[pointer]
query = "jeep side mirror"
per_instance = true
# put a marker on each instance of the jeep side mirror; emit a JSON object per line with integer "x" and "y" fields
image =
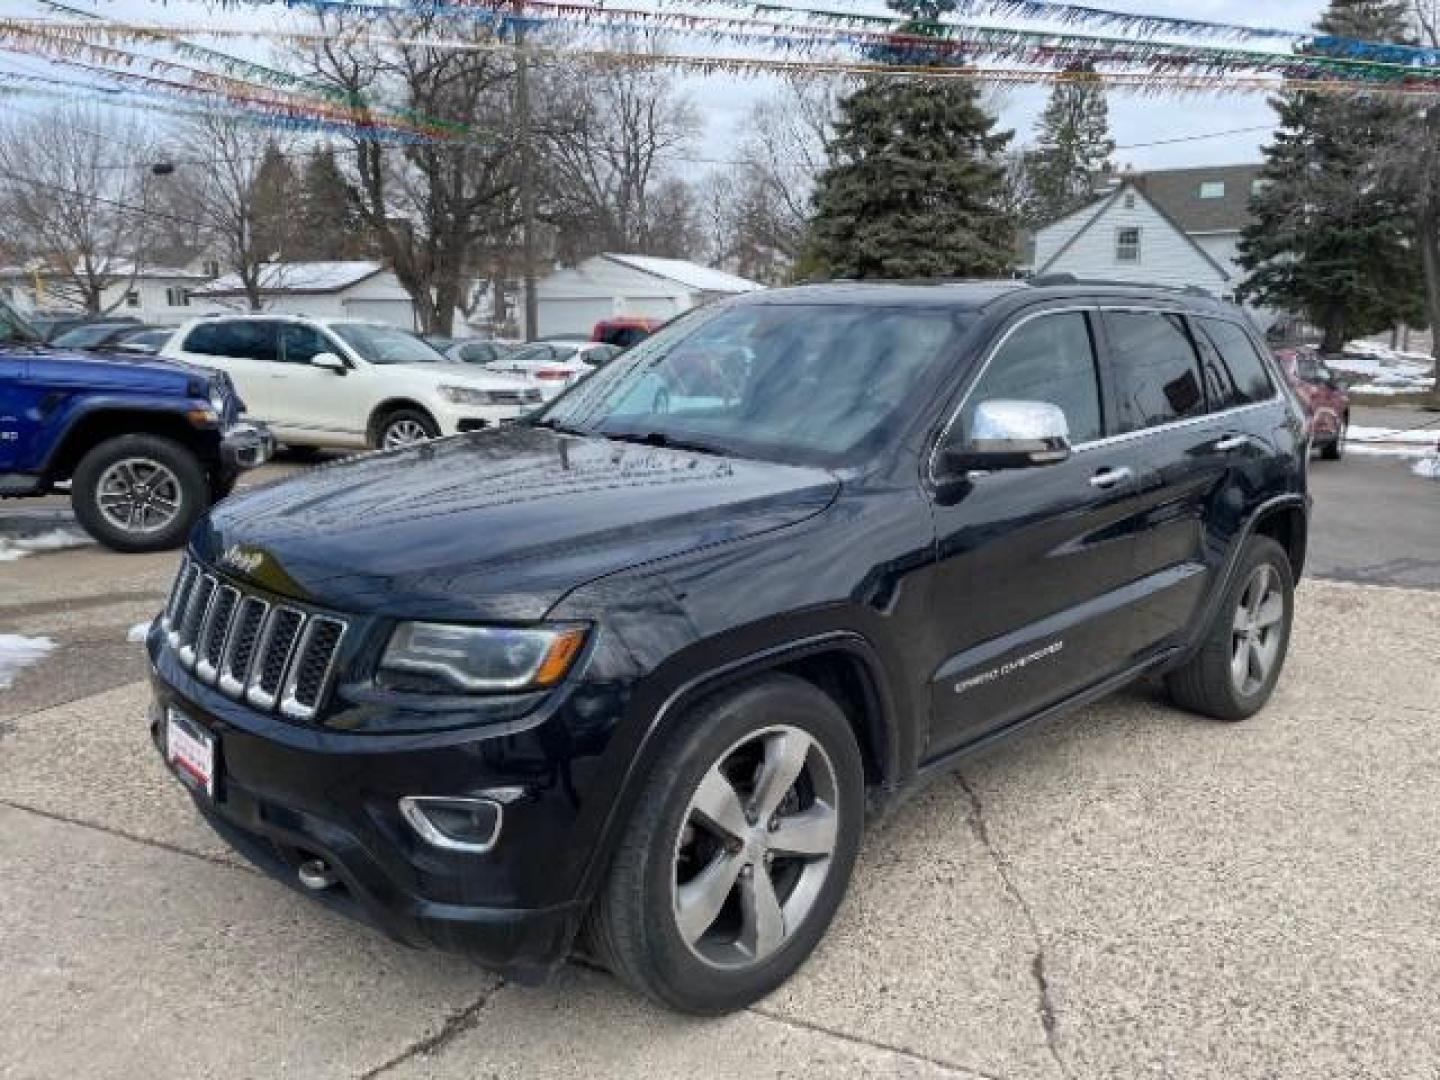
{"x": 1008, "y": 435}
{"x": 330, "y": 362}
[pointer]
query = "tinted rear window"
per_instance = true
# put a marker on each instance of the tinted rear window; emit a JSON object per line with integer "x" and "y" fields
{"x": 1156, "y": 372}
{"x": 1242, "y": 360}
{"x": 248, "y": 339}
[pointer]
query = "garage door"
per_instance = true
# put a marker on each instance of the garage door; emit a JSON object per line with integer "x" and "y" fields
{"x": 573, "y": 315}
{"x": 395, "y": 312}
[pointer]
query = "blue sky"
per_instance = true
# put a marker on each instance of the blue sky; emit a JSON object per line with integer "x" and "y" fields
{"x": 722, "y": 101}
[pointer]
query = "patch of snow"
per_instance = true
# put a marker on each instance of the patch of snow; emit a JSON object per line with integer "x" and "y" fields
{"x": 137, "y": 633}
{"x": 18, "y": 653}
{"x": 1402, "y": 442}
{"x": 692, "y": 275}
{"x": 17, "y": 547}
{"x": 298, "y": 277}
{"x": 1427, "y": 467}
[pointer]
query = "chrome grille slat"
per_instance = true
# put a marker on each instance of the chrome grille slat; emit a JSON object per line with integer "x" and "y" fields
{"x": 210, "y": 645}
{"x": 270, "y": 656}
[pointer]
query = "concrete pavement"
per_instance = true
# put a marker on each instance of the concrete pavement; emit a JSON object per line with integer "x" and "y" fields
{"x": 1129, "y": 892}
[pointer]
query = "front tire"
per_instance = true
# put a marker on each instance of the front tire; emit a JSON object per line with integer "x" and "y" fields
{"x": 138, "y": 493}
{"x": 404, "y": 427}
{"x": 738, "y": 852}
{"x": 1240, "y": 659}
{"x": 1334, "y": 450}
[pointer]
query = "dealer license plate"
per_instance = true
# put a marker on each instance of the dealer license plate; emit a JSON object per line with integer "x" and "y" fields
{"x": 190, "y": 750}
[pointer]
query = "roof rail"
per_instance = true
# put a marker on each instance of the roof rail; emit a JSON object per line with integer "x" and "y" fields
{"x": 1042, "y": 280}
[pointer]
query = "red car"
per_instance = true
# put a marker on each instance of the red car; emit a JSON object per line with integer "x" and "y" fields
{"x": 1327, "y": 405}
{"x": 624, "y": 330}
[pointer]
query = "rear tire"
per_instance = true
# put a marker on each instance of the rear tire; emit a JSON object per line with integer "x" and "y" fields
{"x": 1334, "y": 450}
{"x": 1241, "y": 657}
{"x": 728, "y": 874}
{"x": 139, "y": 493}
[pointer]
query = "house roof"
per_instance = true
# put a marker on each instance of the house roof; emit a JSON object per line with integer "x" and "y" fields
{"x": 691, "y": 275}
{"x": 1176, "y": 192}
{"x": 115, "y": 268}
{"x": 1096, "y": 211}
{"x": 299, "y": 277}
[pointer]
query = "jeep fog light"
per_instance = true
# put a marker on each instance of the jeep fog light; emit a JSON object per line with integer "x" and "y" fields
{"x": 455, "y": 824}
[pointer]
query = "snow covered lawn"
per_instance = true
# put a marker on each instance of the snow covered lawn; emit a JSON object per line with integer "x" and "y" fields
{"x": 1380, "y": 370}
{"x": 1399, "y": 442}
{"x": 18, "y": 653}
{"x": 17, "y": 547}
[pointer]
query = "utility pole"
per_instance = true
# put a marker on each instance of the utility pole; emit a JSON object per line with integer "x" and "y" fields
{"x": 527, "y": 185}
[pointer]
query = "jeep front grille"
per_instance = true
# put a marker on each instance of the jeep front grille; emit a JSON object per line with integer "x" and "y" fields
{"x": 268, "y": 655}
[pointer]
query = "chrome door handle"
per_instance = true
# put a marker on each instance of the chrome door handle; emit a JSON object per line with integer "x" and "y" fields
{"x": 1231, "y": 442}
{"x": 1108, "y": 478}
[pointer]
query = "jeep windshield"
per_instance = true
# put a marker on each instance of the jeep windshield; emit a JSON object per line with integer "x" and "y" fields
{"x": 386, "y": 344}
{"x": 817, "y": 384}
{"x": 13, "y": 329}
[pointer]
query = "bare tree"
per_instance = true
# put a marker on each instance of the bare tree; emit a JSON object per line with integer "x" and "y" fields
{"x": 233, "y": 196}
{"x": 74, "y": 183}
{"x": 610, "y": 137}
{"x": 760, "y": 207}
{"x": 432, "y": 205}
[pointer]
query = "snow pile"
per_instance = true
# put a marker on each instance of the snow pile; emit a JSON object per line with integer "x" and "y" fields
{"x": 18, "y": 653}
{"x": 1379, "y": 369}
{"x": 1402, "y": 442}
{"x": 1427, "y": 467}
{"x": 17, "y": 547}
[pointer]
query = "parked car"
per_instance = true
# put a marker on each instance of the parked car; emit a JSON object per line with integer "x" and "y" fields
{"x": 108, "y": 336}
{"x": 644, "y": 672}
{"x": 50, "y": 325}
{"x": 480, "y": 350}
{"x": 146, "y": 445}
{"x": 1323, "y": 393}
{"x": 554, "y": 365}
{"x": 348, "y": 383}
{"x": 624, "y": 330}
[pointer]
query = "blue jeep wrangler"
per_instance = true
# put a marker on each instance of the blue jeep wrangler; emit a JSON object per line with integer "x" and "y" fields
{"x": 146, "y": 445}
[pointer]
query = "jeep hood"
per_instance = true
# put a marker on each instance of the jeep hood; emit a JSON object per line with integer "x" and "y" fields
{"x": 497, "y": 525}
{"x": 99, "y": 371}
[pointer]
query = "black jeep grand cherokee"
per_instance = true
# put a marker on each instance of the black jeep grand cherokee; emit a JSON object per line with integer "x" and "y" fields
{"x": 641, "y": 664}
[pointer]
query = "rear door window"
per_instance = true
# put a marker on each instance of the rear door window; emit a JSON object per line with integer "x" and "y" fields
{"x": 1051, "y": 359}
{"x": 1155, "y": 371}
{"x": 1241, "y": 358}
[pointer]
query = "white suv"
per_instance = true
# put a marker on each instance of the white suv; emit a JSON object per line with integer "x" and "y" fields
{"x": 347, "y": 383}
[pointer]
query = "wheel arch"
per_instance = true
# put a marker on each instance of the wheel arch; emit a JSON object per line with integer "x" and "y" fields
{"x": 392, "y": 405}
{"x": 90, "y": 429}
{"x": 1287, "y": 524}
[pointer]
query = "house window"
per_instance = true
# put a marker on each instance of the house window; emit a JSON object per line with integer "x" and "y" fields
{"x": 1130, "y": 201}
{"x": 132, "y": 298}
{"x": 177, "y": 297}
{"x": 1212, "y": 189}
{"x": 212, "y": 268}
{"x": 1257, "y": 186}
{"x": 1127, "y": 245}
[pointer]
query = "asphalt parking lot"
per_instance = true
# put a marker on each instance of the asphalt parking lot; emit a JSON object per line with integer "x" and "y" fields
{"x": 1128, "y": 892}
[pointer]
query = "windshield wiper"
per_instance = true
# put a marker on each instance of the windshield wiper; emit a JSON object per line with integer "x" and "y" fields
{"x": 664, "y": 441}
{"x": 556, "y": 426}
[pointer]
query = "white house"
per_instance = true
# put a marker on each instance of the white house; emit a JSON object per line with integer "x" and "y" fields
{"x": 1178, "y": 227}
{"x": 361, "y": 289}
{"x": 574, "y": 299}
{"x": 152, "y": 294}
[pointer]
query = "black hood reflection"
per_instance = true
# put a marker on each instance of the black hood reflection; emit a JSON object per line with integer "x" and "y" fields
{"x": 502, "y": 524}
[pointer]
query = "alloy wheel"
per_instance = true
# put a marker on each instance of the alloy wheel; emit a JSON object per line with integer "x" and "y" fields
{"x": 1256, "y": 631}
{"x": 404, "y": 432}
{"x": 139, "y": 495}
{"x": 755, "y": 847}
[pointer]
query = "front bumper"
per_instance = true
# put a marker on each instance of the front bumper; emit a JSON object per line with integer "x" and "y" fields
{"x": 282, "y": 807}
{"x": 246, "y": 446}
{"x": 458, "y": 419}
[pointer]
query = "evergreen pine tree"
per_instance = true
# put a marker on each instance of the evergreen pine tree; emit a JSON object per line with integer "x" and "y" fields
{"x": 1073, "y": 148}
{"x": 327, "y": 226}
{"x": 271, "y": 205}
{"x": 914, "y": 181}
{"x": 1327, "y": 237}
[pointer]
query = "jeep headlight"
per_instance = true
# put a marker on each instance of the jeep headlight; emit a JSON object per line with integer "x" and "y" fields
{"x": 480, "y": 659}
{"x": 465, "y": 395}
